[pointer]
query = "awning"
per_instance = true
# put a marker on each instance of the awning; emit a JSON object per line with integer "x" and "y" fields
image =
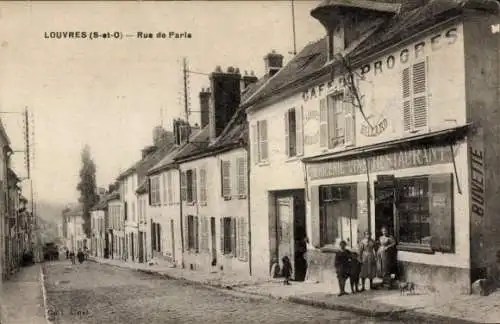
{"x": 431, "y": 139}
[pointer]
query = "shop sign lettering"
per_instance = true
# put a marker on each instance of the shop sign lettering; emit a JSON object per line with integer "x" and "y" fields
{"x": 415, "y": 157}
{"x": 477, "y": 181}
{"x": 375, "y": 130}
{"x": 418, "y": 50}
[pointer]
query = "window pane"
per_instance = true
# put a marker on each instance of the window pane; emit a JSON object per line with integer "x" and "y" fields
{"x": 413, "y": 210}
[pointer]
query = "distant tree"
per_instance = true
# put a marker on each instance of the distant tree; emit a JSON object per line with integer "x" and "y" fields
{"x": 87, "y": 187}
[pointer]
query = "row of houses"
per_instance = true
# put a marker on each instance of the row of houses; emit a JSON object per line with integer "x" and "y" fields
{"x": 390, "y": 120}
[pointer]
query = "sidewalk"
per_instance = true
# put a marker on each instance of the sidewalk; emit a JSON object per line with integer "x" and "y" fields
{"x": 422, "y": 305}
{"x": 21, "y": 298}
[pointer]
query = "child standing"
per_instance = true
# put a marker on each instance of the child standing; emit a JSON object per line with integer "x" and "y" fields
{"x": 286, "y": 270}
{"x": 342, "y": 259}
{"x": 354, "y": 271}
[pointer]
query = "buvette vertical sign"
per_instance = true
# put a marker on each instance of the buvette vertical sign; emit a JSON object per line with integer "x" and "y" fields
{"x": 477, "y": 194}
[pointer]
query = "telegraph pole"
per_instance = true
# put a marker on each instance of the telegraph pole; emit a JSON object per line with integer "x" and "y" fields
{"x": 185, "y": 74}
{"x": 293, "y": 30}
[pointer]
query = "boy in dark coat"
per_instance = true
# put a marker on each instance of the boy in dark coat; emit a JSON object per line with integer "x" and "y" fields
{"x": 286, "y": 270}
{"x": 342, "y": 259}
{"x": 354, "y": 271}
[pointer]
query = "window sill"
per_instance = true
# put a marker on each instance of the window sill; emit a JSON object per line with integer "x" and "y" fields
{"x": 263, "y": 163}
{"x": 203, "y": 203}
{"x": 408, "y": 247}
{"x": 295, "y": 158}
{"x": 227, "y": 198}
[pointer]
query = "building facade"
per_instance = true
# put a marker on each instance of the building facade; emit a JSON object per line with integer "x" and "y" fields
{"x": 377, "y": 132}
{"x": 76, "y": 238}
{"x": 116, "y": 229}
{"x": 97, "y": 225}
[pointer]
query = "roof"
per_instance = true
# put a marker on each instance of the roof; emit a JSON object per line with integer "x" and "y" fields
{"x": 166, "y": 161}
{"x": 75, "y": 209}
{"x": 12, "y": 174}
{"x": 382, "y": 6}
{"x": 197, "y": 143}
{"x": 235, "y": 134}
{"x": 311, "y": 60}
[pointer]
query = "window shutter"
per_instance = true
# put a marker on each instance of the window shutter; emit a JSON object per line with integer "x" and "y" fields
{"x": 196, "y": 234}
{"x": 350, "y": 125}
{"x": 226, "y": 178}
{"x": 186, "y": 232}
{"x": 441, "y": 212}
{"x": 234, "y": 242}
{"x": 300, "y": 130}
{"x": 170, "y": 187}
{"x": 242, "y": 176}
{"x": 245, "y": 239}
{"x": 287, "y": 134}
{"x": 222, "y": 245}
{"x": 406, "y": 92}
{"x": 194, "y": 186}
{"x": 315, "y": 217}
{"x": 205, "y": 231}
{"x": 255, "y": 143}
{"x": 323, "y": 123}
{"x": 183, "y": 187}
{"x": 149, "y": 192}
{"x": 203, "y": 185}
{"x": 158, "y": 233}
{"x": 164, "y": 182}
{"x": 263, "y": 150}
{"x": 419, "y": 80}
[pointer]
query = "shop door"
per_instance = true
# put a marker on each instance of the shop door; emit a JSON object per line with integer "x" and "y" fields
{"x": 384, "y": 209}
{"x": 285, "y": 228}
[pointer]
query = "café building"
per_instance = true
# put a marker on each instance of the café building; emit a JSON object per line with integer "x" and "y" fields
{"x": 394, "y": 123}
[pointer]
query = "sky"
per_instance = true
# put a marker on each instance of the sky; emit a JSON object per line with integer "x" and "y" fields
{"x": 111, "y": 93}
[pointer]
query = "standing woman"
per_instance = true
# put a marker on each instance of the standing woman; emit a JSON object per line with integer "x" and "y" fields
{"x": 368, "y": 260}
{"x": 386, "y": 256}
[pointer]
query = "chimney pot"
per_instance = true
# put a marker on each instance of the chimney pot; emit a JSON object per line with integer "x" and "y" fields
{"x": 230, "y": 69}
{"x": 273, "y": 62}
{"x": 218, "y": 69}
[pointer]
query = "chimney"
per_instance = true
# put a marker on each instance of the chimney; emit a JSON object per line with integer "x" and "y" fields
{"x": 101, "y": 192}
{"x": 182, "y": 130}
{"x": 225, "y": 98}
{"x": 204, "y": 106}
{"x": 247, "y": 80}
{"x": 273, "y": 63}
{"x": 148, "y": 150}
{"x": 158, "y": 134}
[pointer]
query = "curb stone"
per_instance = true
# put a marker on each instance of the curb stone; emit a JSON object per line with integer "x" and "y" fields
{"x": 44, "y": 295}
{"x": 402, "y": 315}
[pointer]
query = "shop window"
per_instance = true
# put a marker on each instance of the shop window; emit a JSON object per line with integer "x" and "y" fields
{"x": 425, "y": 213}
{"x": 337, "y": 215}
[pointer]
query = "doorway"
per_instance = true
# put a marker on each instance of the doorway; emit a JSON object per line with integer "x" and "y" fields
{"x": 132, "y": 246}
{"x": 291, "y": 231}
{"x": 384, "y": 208}
{"x": 172, "y": 237}
{"x": 141, "y": 247}
{"x": 214, "y": 243}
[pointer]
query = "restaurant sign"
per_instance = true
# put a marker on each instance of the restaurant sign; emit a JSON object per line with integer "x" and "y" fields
{"x": 411, "y": 158}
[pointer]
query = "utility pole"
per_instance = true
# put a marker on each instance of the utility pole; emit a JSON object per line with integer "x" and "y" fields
{"x": 186, "y": 96}
{"x": 293, "y": 30}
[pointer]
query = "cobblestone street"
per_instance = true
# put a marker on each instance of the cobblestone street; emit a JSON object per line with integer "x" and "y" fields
{"x": 93, "y": 293}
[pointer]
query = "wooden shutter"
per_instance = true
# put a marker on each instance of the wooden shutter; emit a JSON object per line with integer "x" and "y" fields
{"x": 206, "y": 234}
{"x": 183, "y": 186}
{"x": 226, "y": 178}
{"x": 186, "y": 232}
{"x": 241, "y": 176}
{"x": 323, "y": 123}
{"x": 222, "y": 245}
{"x": 245, "y": 241}
{"x": 299, "y": 130}
{"x": 287, "y": 133}
{"x": 255, "y": 144}
{"x": 170, "y": 188}
{"x": 164, "y": 182}
{"x": 419, "y": 80}
{"x": 196, "y": 234}
{"x": 234, "y": 242}
{"x": 406, "y": 93}
{"x": 203, "y": 185}
{"x": 149, "y": 192}
{"x": 194, "y": 186}
{"x": 315, "y": 217}
{"x": 349, "y": 120}
{"x": 263, "y": 145}
{"x": 158, "y": 233}
{"x": 441, "y": 212}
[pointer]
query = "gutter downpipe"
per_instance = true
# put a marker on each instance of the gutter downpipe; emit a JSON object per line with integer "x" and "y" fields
{"x": 249, "y": 213}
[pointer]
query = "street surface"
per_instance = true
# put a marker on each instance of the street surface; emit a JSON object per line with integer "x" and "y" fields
{"x": 93, "y": 293}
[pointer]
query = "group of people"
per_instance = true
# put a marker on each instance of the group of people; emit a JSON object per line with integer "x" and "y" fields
{"x": 81, "y": 255}
{"x": 375, "y": 259}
